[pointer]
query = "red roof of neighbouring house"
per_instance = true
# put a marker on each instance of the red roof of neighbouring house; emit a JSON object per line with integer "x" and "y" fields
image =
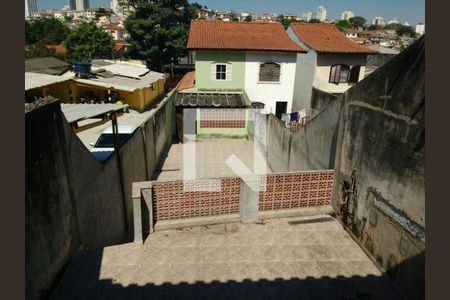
{"x": 357, "y": 39}
{"x": 326, "y": 38}
{"x": 187, "y": 82}
{"x": 59, "y": 49}
{"x": 119, "y": 44}
{"x": 113, "y": 26}
{"x": 349, "y": 30}
{"x": 219, "y": 35}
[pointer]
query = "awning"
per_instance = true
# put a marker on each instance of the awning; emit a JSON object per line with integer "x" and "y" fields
{"x": 235, "y": 100}
{"x": 78, "y": 112}
{"x": 35, "y": 80}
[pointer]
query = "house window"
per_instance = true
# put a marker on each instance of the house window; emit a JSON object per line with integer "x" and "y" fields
{"x": 269, "y": 72}
{"x": 339, "y": 74}
{"x": 221, "y": 72}
{"x": 353, "y": 77}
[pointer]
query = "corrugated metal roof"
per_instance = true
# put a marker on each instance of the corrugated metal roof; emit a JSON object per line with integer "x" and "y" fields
{"x": 121, "y": 68}
{"x": 46, "y": 65}
{"x": 123, "y": 83}
{"x": 36, "y": 80}
{"x": 210, "y": 100}
{"x": 383, "y": 50}
{"x": 81, "y": 111}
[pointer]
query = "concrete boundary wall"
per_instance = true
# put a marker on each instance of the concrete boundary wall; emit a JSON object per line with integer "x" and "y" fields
{"x": 375, "y": 131}
{"x": 162, "y": 205}
{"x": 312, "y": 147}
{"x": 74, "y": 201}
{"x": 141, "y": 156}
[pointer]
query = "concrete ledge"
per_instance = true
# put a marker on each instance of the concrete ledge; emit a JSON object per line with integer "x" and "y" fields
{"x": 296, "y": 212}
{"x": 195, "y": 222}
{"x": 138, "y": 186}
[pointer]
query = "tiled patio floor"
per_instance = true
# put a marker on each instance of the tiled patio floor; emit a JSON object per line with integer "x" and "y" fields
{"x": 296, "y": 258}
{"x": 211, "y": 156}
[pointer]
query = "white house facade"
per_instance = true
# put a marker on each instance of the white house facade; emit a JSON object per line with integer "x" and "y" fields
{"x": 332, "y": 64}
{"x": 323, "y": 69}
{"x": 257, "y": 58}
{"x": 269, "y": 78}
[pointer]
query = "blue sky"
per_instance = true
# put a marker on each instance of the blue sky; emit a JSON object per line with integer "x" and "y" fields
{"x": 412, "y": 11}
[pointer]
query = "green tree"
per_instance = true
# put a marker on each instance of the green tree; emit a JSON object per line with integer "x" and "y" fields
{"x": 314, "y": 21}
{"x": 375, "y": 27}
{"x": 343, "y": 24}
{"x": 405, "y": 30}
{"x": 39, "y": 50}
{"x": 159, "y": 31}
{"x": 286, "y": 22}
{"x": 357, "y": 22}
{"x": 47, "y": 31}
{"x": 68, "y": 19}
{"x": 102, "y": 12}
{"x": 196, "y": 5}
{"x": 248, "y": 18}
{"x": 87, "y": 42}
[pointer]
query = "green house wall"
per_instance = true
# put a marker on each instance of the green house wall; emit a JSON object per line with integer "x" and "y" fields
{"x": 203, "y": 61}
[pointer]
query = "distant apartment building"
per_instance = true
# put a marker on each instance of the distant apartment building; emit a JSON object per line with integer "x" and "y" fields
{"x": 120, "y": 7}
{"x": 72, "y": 5}
{"x": 393, "y": 21}
{"x": 207, "y": 14}
{"x": 307, "y": 16}
{"x": 90, "y": 13}
{"x": 78, "y": 4}
{"x": 269, "y": 17}
{"x": 31, "y": 9}
{"x": 114, "y": 5}
{"x": 420, "y": 28}
{"x": 225, "y": 16}
{"x": 116, "y": 30}
{"x": 347, "y": 14}
{"x": 350, "y": 33}
{"x": 290, "y": 16}
{"x": 379, "y": 21}
{"x": 321, "y": 13}
{"x": 59, "y": 14}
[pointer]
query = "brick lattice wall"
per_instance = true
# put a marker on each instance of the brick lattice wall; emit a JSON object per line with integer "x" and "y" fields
{"x": 222, "y": 118}
{"x": 172, "y": 201}
{"x": 296, "y": 190}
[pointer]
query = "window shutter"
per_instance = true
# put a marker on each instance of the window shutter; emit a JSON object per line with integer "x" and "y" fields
{"x": 213, "y": 72}
{"x": 269, "y": 72}
{"x": 229, "y": 71}
{"x": 334, "y": 74}
{"x": 354, "y": 74}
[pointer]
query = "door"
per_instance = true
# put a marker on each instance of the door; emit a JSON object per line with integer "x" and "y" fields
{"x": 186, "y": 122}
{"x": 280, "y": 108}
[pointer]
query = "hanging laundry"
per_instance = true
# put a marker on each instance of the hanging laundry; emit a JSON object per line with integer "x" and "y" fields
{"x": 294, "y": 116}
{"x": 285, "y": 117}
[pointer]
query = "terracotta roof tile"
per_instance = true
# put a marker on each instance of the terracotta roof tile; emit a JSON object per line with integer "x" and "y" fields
{"x": 113, "y": 26}
{"x": 119, "y": 44}
{"x": 240, "y": 36}
{"x": 187, "y": 82}
{"x": 59, "y": 49}
{"x": 326, "y": 38}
